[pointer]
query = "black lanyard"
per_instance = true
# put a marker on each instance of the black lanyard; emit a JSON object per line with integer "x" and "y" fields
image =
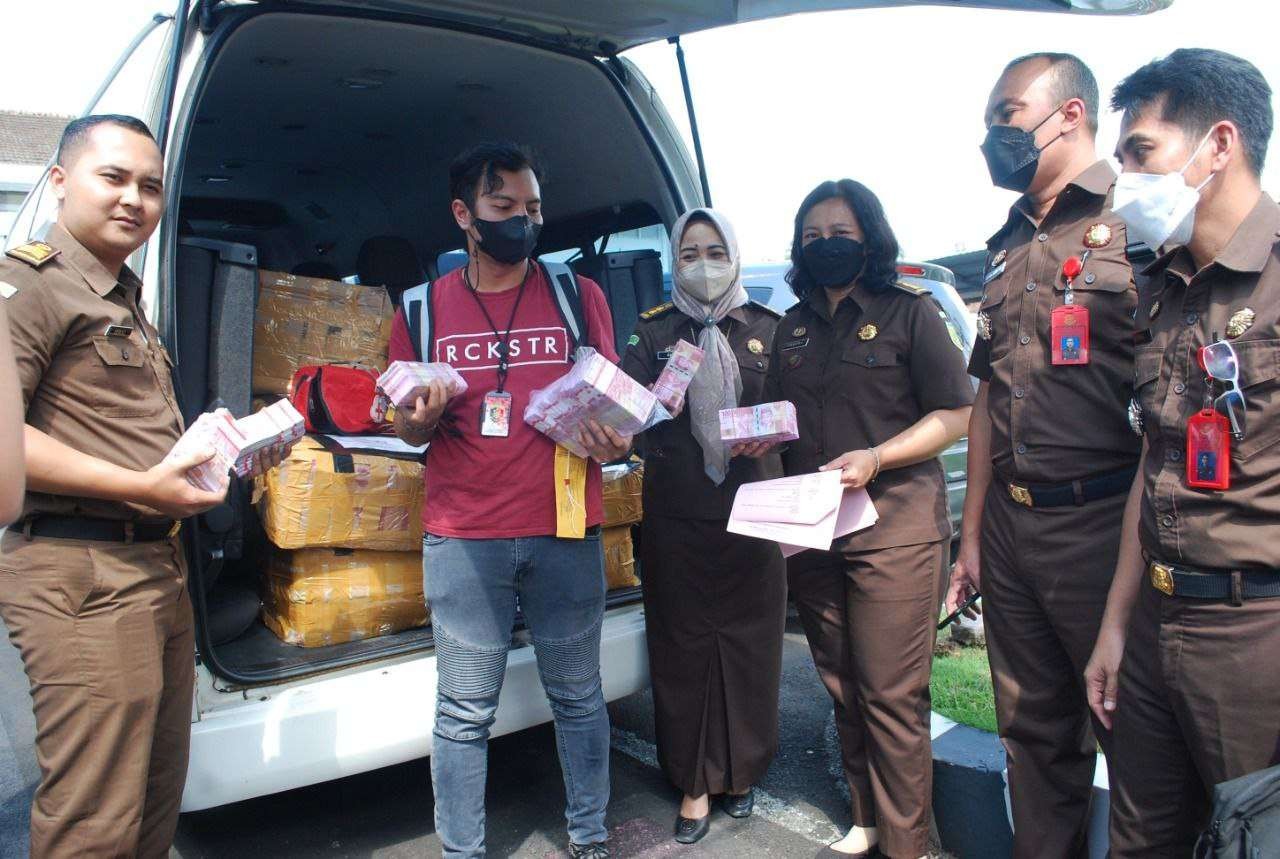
{"x": 503, "y": 337}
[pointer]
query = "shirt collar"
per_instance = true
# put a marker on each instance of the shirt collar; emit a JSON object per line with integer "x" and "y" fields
{"x": 817, "y": 300}
{"x": 1247, "y": 252}
{"x": 79, "y": 258}
{"x": 1095, "y": 180}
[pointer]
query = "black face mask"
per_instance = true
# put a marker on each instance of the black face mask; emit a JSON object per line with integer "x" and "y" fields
{"x": 833, "y": 262}
{"x": 1012, "y": 155}
{"x": 508, "y": 241}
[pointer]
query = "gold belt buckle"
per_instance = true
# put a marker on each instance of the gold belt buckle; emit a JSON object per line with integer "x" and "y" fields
{"x": 1020, "y": 494}
{"x": 1161, "y": 578}
{"x": 177, "y": 526}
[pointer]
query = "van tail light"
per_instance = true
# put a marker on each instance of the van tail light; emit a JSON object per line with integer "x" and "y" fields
{"x": 911, "y": 270}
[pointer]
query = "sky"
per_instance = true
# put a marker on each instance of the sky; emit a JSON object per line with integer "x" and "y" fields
{"x": 893, "y": 97}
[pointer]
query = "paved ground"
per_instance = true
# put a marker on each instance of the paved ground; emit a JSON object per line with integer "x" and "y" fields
{"x": 802, "y": 802}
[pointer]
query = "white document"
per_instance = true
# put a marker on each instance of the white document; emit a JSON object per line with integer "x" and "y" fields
{"x": 382, "y": 443}
{"x": 807, "y": 511}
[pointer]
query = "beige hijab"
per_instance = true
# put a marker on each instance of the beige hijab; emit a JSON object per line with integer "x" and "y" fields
{"x": 718, "y": 383}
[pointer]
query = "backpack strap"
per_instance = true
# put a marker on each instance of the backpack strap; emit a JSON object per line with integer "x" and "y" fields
{"x": 568, "y": 295}
{"x": 416, "y": 303}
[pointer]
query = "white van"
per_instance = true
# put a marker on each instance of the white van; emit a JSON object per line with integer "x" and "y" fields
{"x": 294, "y": 131}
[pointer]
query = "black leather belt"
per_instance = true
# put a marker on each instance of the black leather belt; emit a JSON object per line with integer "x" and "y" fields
{"x": 103, "y": 530}
{"x": 1235, "y": 585}
{"x": 1077, "y": 492}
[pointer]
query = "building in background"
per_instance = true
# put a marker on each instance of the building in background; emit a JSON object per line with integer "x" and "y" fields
{"x": 27, "y": 142}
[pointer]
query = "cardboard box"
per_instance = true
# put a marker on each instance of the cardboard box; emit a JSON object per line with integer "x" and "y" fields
{"x": 302, "y": 321}
{"x": 317, "y": 597}
{"x": 619, "y": 558}
{"x": 623, "y": 485}
{"x": 354, "y": 501}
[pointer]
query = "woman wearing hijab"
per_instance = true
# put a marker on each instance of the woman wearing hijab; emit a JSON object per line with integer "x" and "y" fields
{"x": 880, "y": 390}
{"x": 715, "y": 603}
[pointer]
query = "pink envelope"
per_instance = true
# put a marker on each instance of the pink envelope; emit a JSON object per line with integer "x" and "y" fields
{"x": 807, "y": 511}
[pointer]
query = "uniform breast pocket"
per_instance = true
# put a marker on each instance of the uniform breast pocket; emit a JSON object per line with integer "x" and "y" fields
{"x": 873, "y": 372}
{"x": 991, "y": 321}
{"x": 752, "y": 369}
{"x": 123, "y": 384}
{"x": 1146, "y": 376}
{"x": 1259, "y": 371}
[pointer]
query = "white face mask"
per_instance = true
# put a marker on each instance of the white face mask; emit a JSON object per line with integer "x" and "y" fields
{"x": 1159, "y": 208}
{"x": 706, "y": 280}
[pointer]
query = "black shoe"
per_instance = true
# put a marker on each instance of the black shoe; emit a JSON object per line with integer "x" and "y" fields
{"x": 597, "y": 850}
{"x": 691, "y": 831}
{"x": 740, "y": 804}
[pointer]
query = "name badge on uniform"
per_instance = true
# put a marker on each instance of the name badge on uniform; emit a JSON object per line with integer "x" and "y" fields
{"x": 495, "y": 415}
{"x": 119, "y": 331}
{"x": 1069, "y": 335}
{"x": 795, "y": 344}
{"x": 1209, "y": 450}
{"x": 993, "y": 274}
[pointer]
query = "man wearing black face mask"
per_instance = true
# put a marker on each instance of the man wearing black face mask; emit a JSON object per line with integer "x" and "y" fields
{"x": 1051, "y": 454}
{"x": 491, "y": 523}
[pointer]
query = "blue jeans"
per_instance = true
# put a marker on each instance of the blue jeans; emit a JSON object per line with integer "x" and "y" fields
{"x": 473, "y": 587}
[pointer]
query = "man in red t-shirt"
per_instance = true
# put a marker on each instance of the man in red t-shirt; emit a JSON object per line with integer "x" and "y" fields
{"x": 490, "y": 511}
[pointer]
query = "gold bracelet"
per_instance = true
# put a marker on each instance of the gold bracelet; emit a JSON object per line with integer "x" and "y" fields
{"x": 876, "y": 455}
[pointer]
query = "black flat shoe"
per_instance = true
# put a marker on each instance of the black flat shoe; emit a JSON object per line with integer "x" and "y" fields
{"x": 691, "y": 831}
{"x": 740, "y": 804}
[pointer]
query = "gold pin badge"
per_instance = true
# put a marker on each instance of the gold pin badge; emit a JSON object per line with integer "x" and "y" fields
{"x": 868, "y": 332}
{"x": 984, "y": 326}
{"x": 800, "y": 332}
{"x": 1155, "y": 310}
{"x": 998, "y": 258}
{"x": 755, "y": 347}
{"x": 794, "y": 361}
{"x": 1097, "y": 236}
{"x": 1240, "y": 322}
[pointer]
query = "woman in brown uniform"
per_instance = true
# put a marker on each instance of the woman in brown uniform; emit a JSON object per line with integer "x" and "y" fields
{"x": 715, "y": 603}
{"x": 880, "y": 390}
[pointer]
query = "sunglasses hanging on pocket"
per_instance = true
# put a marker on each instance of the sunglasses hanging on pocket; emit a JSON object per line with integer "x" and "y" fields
{"x": 1209, "y": 431}
{"x": 1069, "y": 324}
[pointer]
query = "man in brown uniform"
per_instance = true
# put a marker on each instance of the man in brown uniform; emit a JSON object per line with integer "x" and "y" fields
{"x": 1198, "y": 698}
{"x": 92, "y": 579}
{"x": 1050, "y": 451}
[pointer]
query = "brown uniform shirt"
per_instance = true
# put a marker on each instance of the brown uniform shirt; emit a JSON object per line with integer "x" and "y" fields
{"x": 1054, "y": 424}
{"x": 675, "y": 481}
{"x": 105, "y": 393}
{"x": 1236, "y": 297}
{"x": 881, "y": 364}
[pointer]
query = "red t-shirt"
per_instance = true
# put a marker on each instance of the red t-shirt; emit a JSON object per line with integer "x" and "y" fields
{"x": 482, "y": 487}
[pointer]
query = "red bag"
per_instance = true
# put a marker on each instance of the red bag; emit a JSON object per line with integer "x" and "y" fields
{"x": 335, "y": 398}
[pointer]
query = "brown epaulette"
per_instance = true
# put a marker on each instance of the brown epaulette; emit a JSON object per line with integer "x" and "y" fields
{"x": 910, "y": 288}
{"x": 655, "y": 312}
{"x": 34, "y": 254}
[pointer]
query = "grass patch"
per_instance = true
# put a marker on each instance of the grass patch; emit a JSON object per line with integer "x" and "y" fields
{"x": 961, "y": 686}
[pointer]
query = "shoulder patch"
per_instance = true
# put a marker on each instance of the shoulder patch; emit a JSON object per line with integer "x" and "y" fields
{"x": 910, "y": 289}
{"x": 655, "y": 312}
{"x": 34, "y": 253}
{"x": 764, "y": 308}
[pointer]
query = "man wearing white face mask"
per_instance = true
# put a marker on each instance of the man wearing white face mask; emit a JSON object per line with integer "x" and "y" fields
{"x": 1184, "y": 668}
{"x": 715, "y": 602}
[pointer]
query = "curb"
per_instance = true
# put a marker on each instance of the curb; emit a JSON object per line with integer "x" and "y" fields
{"x": 971, "y": 796}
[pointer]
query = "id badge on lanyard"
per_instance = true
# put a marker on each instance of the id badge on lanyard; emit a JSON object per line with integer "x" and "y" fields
{"x": 1069, "y": 324}
{"x": 495, "y": 415}
{"x": 1209, "y": 450}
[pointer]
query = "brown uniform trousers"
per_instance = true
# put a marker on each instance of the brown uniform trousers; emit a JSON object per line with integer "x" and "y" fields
{"x": 1045, "y": 576}
{"x": 870, "y": 618}
{"x": 1199, "y": 693}
{"x": 105, "y": 633}
{"x": 1045, "y": 572}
